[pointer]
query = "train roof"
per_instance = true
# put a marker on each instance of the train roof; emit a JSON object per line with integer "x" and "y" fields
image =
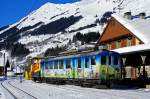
{"x": 81, "y": 55}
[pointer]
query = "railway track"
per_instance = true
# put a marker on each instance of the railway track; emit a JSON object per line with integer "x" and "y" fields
{"x": 8, "y": 90}
{"x": 24, "y": 94}
{"x": 95, "y": 92}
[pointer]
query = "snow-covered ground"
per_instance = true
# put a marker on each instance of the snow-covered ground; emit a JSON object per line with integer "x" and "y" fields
{"x": 48, "y": 91}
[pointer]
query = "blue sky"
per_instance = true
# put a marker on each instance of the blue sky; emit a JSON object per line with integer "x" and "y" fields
{"x": 13, "y": 10}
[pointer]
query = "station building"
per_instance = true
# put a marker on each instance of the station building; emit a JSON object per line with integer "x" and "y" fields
{"x": 130, "y": 36}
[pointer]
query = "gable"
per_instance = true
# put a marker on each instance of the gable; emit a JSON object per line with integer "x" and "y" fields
{"x": 113, "y": 30}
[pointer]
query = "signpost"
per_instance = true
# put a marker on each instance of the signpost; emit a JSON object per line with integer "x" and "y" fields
{"x": 143, "y": 61}
{"x": 122, "y": 68}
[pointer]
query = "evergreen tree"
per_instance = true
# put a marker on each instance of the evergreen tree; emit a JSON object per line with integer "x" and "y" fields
{"x": 19, "y": 49}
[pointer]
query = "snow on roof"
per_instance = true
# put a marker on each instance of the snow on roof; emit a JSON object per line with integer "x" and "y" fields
{"x": 139, "y": 27}
{"x": 132, "y": 49}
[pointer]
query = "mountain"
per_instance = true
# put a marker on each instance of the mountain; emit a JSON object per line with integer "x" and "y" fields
{"x": 57, "y": 25}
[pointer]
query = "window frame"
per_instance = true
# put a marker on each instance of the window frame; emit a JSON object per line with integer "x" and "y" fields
{"x": 102, "y": 57}
{"x": 110, "y": 60}
{"x": 93, "y": 62}
{"x": 79, "y": 65}
{"x": 116, "y": 61}
{"x": 68, "y": 63}
{"x": 61, "y": 65}
{"x": 56, "y": 64}
{"x": 46, "y": 65}
{"x": 51, "y": 65}
{"x": 87, "y": 63}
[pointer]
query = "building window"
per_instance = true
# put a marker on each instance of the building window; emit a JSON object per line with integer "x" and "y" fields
{"x": 129, "y": 42}
{"x": 118, "y": 44}
{"x": 109, "y": 46}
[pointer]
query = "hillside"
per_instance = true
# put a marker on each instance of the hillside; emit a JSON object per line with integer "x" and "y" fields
{"x": 56, "y": 25}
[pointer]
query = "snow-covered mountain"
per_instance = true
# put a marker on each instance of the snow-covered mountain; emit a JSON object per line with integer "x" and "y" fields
{"x": 55, "y": 25}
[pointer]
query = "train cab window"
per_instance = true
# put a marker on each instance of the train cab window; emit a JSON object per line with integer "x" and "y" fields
{"x": 109, "y": 60}
{"x": 79, "y": 62}
{"x": 116, "y": 60}
{"x": 61, "y": 64}
{"x": 68, "y": 63}
{"x": 93, "y": 60}
{"x": 56, "y": 65}
{"x": 86, "y": 62}
{"x": 103, "y": 60}
{"x": 50, "y": 65}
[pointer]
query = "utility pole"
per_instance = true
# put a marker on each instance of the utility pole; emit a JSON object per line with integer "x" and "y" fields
{"x": 5, "y": 68}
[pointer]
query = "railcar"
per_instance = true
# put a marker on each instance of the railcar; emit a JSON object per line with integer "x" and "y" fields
{"x": 99, "y": 67}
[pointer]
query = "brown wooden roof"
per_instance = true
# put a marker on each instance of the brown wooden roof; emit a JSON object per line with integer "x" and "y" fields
{"x": 113, "y": 30}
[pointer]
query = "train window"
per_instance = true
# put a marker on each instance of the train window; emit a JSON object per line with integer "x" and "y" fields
{"x": 56, "y": 65}
{"x": 109, "y": 60}
{"x": 68, "y": 63}
{"x": 50, "y": 65}
{"x": 61, "y": 64}
{"x": 116, "y": 60}
{"x": 86, "y": 62}
{"x": 93, "y": 60}
{"x": 79, "y": 62}
{"x": 42, "y": 63}
{"x": 46, "y": 65}
{"x": 103, "y": 60}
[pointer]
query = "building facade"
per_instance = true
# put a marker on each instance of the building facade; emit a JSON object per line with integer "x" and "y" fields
{"x": 129, "y": 35}
{"x": 116, "y": 36}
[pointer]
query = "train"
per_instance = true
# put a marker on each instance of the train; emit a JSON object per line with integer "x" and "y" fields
{"x": 91, "y": 68}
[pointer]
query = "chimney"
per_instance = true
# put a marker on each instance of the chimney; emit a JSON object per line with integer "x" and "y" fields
{"x": 142, "y": 15}
{"x": 128, "y": 15}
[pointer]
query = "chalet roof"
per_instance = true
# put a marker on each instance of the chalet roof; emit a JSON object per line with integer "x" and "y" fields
{"x": 139, "y": 27}
{"x": 132, "y": 49}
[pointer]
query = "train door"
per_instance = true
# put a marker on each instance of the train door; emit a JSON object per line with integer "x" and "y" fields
{"x": 74, "y": 69}
{"x": 68, "y": 68}
{"x": 56, "y": 68}
{"x": 87, "y": 67}
{"x": 103, "y": 67}
{"x": 92, "y": 67}
{"x": 79, "y": 67}
{"x": 117, "y": 67}
{"x": 61, "y": 69}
